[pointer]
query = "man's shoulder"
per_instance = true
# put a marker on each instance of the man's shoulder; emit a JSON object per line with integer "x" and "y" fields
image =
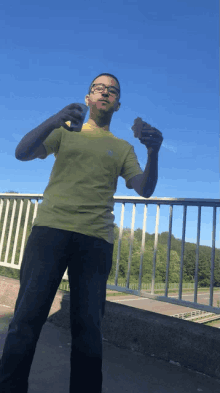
{"x": 122, "y": 141}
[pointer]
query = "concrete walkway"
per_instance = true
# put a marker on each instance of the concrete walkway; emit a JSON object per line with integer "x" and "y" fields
{"x": 123, "y": 370}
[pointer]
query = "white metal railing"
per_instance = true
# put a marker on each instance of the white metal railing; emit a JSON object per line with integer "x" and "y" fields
{"x": 185, "y": 202}
{"x": 188, "y": 316}
{"x": 197, "y": 316}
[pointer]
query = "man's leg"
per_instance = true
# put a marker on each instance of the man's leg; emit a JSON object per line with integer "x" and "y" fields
{"x": 88, "y": 273}
{"x": 43, "y": 265}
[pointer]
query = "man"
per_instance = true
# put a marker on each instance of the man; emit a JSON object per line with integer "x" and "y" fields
{"x": 74, "y": 228}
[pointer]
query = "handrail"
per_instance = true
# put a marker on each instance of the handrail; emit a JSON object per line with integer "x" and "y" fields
{"x": 185, "y": 202}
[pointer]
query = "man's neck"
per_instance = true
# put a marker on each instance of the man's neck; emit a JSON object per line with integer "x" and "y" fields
{"x": 99, "y": 123}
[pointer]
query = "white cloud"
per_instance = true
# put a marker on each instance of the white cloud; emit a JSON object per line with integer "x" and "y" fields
{"x": 169, "y": 147}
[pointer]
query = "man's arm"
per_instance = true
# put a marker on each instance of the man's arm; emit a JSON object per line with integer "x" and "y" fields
{"x": 145, "y": 184}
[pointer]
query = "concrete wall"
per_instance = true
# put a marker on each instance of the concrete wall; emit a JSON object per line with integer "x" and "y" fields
{"x": 190, "y": 344}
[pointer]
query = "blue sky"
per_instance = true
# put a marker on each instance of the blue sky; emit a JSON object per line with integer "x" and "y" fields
{"x": 166, "y": 57}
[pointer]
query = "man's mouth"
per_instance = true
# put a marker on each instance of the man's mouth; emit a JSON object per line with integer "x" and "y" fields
{"x": 103, "y": 101}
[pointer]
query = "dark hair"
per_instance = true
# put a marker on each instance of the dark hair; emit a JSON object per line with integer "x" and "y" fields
{"x": 107, "y": 75}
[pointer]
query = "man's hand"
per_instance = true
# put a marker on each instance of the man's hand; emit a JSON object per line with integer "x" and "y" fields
{"x": 148, "y": 136}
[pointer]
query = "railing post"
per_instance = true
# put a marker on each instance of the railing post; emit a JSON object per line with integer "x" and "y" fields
{"x": 182, "y": 252}
{"x": 212, "y": 257}
{"x": 119, "y": 242}
{"x": 131, "y": 244}
{"x": 144, "y": 227}
{"x": 197, "y": 255}
{"x": 168, "y": 250}
{"x": 155, "y": 249}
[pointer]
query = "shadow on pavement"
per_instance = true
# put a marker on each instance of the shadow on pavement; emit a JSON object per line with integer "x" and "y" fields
{"x": 123, "y": 370}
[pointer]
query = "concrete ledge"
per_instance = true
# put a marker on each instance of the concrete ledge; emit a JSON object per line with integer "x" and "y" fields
{"x": 192, "y": 345}
{"x": 9, "y": 288}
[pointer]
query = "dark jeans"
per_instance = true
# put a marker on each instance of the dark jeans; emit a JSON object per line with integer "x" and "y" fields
{"x": 48, "y": 253}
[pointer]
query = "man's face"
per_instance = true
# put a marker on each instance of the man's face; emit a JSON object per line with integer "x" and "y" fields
{"x": 95, "y": 97}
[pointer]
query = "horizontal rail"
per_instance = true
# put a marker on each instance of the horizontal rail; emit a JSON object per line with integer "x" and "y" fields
{"x": 138, "y": 200}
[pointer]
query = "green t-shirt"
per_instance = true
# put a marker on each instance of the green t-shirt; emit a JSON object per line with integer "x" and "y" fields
{"x": 83, "y": 180}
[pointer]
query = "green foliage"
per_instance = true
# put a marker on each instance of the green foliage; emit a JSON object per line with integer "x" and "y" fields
{"x": 189, "y": 258}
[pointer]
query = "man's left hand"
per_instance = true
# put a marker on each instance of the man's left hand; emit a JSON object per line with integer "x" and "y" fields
{"x": 149, "y": 136}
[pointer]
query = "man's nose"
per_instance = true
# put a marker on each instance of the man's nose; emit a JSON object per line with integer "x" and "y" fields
{"x": 105, "y": 91}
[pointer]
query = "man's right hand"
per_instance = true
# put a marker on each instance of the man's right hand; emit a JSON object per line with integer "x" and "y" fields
{"x": 69, "y": 113}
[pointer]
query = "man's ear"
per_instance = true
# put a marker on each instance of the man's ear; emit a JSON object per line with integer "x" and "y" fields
{"x": 86, "y": 99}
{"x": 118, "y": 106}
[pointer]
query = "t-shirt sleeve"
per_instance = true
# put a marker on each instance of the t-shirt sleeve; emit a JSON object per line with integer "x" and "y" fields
{"x": 52, "y": 142}
{"x": 131, "y": 166}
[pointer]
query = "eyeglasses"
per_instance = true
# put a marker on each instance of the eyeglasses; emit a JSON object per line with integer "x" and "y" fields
{"x": 99, "y": 88}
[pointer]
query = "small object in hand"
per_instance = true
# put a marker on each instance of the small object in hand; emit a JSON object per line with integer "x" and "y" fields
{"x": 77, "y": 126}
{"x": 137, "y": 127}
{"x": 140, "y": 128}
